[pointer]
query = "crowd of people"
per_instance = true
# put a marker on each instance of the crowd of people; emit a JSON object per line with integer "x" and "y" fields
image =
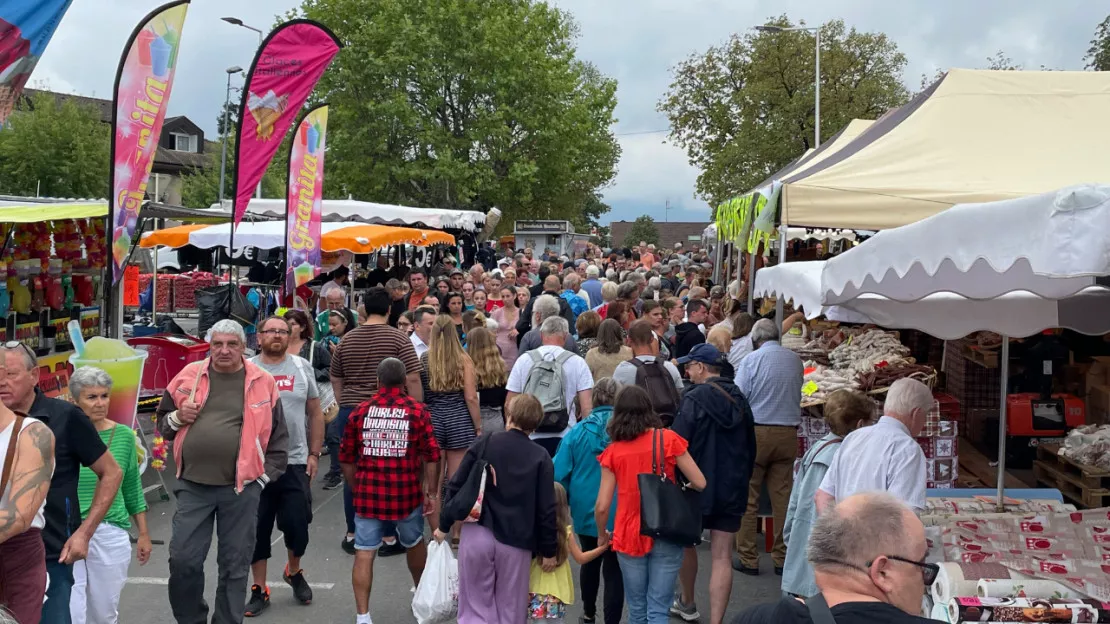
{"x": 560, "y": 380}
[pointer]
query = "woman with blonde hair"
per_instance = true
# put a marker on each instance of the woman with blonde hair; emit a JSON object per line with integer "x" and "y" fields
{"x": 451, "y": 394}
{"x": 489, "y": 369}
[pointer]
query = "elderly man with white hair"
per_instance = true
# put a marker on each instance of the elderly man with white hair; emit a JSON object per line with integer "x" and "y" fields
{"x": 542, "y": 308}
{"x": 885, "y": 457}
{"x": 225, "y": 419}
{"x": 770, "y": 377}
{"x": 868, "y": 557}
{"x": 592, "y": 285}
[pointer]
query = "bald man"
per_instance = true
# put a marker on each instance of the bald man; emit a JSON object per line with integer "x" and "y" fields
{"x": 867, "y": 553}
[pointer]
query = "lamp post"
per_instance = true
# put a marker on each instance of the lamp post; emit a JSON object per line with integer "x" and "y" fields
{"x": 235, "y": 21}
{"x": 234, "y": 69}
{"x": 767, "y": 28}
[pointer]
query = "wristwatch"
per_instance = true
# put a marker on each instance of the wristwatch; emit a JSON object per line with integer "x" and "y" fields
{"x": 317, "y": 454}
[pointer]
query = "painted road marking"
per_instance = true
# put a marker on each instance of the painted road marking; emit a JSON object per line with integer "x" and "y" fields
{"x": 153, "y": 580}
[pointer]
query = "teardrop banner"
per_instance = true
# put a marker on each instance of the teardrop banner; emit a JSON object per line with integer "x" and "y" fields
{"x": 142, "y": 92}
{"x": 303, "y": 203}
{"x": 285, "y": 70}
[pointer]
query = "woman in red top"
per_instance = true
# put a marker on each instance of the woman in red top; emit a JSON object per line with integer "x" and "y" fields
{"x": 649, "y": 567}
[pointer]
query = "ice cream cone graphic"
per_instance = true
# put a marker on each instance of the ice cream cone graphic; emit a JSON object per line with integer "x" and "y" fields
{"x": 266, "y": 111}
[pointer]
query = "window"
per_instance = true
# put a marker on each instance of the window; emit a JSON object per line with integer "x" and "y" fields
{"x": 184, "y": 142}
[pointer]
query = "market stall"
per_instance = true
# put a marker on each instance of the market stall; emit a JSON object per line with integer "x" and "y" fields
{"x": 973, "y": 136}
{"x": 352, "y": 237}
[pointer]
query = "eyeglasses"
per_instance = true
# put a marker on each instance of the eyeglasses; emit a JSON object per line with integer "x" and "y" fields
{"x": 275, "y": 332}
{"x": 929, "y": 571}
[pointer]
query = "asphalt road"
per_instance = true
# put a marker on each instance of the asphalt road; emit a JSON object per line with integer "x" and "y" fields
{"x": 328, "y": 570}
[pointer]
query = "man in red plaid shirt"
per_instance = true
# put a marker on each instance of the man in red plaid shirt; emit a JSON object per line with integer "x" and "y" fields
{"x": 389, "y": 455}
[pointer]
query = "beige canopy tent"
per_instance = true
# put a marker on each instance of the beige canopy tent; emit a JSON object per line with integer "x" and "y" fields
{"x": 973, "y": 136}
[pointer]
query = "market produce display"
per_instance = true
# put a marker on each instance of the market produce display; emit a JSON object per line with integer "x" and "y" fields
{"x": 868, "y": 360}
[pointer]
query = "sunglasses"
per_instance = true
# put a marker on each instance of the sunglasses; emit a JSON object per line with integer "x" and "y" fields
{"x": 15, "y": 344}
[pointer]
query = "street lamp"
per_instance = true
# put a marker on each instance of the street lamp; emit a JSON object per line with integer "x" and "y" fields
{"x": 235, "y": 21}
{"x": 769, "y": 28}
{"x": 234, "y": 69}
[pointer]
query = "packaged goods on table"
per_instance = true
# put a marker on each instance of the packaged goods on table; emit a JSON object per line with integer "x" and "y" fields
{"x": 974, "y": 609}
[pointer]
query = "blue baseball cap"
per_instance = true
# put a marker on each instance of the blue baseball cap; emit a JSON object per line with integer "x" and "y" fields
{"x": 704, "y": 353}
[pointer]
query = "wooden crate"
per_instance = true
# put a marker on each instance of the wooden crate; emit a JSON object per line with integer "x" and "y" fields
{"x": 1088, "y": 476}
{"x": 1086, "y": 497}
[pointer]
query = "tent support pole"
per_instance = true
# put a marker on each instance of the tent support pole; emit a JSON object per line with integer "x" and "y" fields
{"x": 751, "y": 278}
{"x": 780, "y": 302}
{"x": 1004, "y": 371}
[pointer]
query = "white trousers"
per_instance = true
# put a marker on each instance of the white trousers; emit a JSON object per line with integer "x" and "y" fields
{"x": 99, "y": 579}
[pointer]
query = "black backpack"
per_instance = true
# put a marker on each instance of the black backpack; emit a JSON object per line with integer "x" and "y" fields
{"x": 656, "y": 379}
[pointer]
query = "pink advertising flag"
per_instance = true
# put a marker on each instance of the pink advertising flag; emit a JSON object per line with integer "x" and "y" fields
{"x": 304, "y": 200}
{"x": 284, "y": 72}
{"x": 143, "y": 83}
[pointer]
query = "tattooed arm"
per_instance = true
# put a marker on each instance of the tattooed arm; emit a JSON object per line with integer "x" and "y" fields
{"x": 30, "y": 479}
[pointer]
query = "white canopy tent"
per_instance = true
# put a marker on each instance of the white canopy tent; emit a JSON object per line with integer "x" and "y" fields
{"x": 381, "y": 214}
{"x": 946, "y": 315}
{"x": 1053, "y": 245}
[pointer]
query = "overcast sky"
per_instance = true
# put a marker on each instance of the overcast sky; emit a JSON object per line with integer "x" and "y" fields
{"x": 634, "y": 41}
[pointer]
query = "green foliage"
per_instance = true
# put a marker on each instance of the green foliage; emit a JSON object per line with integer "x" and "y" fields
{"x": 200, "y": 188}
{"x": 232, "y": 110}
{"x": 1098, "y": 55}
{"x": 58, "y": 148}
{"x": 463, "y": 104}
{"x": 643, "y": 229}
{"x": 744, "y": 109}
{"x": 604, "y": 237}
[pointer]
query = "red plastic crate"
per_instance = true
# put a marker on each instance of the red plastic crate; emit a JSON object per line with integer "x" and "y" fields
{"x": 166, "y": 356}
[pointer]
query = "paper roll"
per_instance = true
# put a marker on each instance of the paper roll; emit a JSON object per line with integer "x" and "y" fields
{"x": 969, "y": 609}
{"x": 962, "y": 579}
{"x": 1035, "y": 588}
{"x": 940, "y": 612}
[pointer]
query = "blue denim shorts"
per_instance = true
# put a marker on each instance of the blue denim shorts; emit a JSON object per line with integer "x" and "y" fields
{"x": 370, "y": 531}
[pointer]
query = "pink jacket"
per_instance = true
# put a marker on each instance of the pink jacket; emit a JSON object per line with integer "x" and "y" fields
{"x": 264, "y": 442}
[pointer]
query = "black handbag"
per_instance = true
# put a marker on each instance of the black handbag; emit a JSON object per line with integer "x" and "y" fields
{"x": 668, "y": 511}
{"x": 458, "y": 507}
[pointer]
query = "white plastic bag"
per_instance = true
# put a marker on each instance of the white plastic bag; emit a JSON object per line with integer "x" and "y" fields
{"x": 437, "y": 597}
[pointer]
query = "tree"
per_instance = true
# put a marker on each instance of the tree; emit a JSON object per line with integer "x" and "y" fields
{"x": 603, "y": 238}
{"x": 55, "y": 147}
{"x": 744, "y": 109}
{"x": 1098, "y": 55}
{"x": 200, "y": 188}
{"x": 643, "y": 229}
{"x": 232, "y": 110}
{"x": 457, "y": 104}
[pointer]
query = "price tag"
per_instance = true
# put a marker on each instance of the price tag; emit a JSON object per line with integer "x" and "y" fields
{"x": 809, "y": 388}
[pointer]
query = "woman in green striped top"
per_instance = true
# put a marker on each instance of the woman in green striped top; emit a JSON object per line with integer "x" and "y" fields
{"x": 99, "y": 579}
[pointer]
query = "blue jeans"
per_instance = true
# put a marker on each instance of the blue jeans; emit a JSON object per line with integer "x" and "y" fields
{"x": 333, "y": 433}
{"x": 370, "y": 531}
{"x": 56, "y": 608}
{"x": 649, "y": 583}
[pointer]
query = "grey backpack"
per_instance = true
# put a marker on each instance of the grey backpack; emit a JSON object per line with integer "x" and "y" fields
{"x": 545, "y": 382}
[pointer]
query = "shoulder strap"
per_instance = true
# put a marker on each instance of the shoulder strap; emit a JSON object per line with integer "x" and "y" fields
{"x": 563, "y": 357}
{"x": 722, "y": 391}
{"x": 312, "y": 353}
{"x": 535, "y": 355}
{"x": 637, "y": 362}
{"x": 818, "y": 450}
{"x": 112, "y": 436}
{"x": 658, "y": 456}
{"x": 200, "y": 369}
{"x": 300, "y": 367}
{"x": 819, "y": 610}
{"x": 17, "y": 426}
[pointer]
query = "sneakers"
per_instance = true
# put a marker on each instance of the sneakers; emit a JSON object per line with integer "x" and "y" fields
{"x": 332, "y": 480}
{"x": 260, "y": 601}
{"x": 686, "y": 612}
{"x": 389, "y": 549}
{"x": 348, "y": 545}
{"x": 301, "y": 591}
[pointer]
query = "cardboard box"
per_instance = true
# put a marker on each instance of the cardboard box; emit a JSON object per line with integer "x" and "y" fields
{"x": 1098, "y": 404}
{"x": 1098, "y": 373}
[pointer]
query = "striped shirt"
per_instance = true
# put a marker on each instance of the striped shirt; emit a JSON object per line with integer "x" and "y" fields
{"x": 355, "y": 361}
{"x": 771, "y": 379}
{"x": 129, "y": 498}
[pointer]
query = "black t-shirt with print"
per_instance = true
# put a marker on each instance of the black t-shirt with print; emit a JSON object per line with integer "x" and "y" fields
{"x": 76, "y": 444}
{"x": 791, "y": 611}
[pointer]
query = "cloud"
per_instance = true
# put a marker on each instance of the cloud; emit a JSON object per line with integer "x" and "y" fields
{"x": 634, "y": 41}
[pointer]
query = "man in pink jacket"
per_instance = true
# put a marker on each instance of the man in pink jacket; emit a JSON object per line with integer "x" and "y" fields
{"x": 229, "y": 438}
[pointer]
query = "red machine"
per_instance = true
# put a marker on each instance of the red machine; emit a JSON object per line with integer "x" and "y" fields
{"x": 1031, "y": 415}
